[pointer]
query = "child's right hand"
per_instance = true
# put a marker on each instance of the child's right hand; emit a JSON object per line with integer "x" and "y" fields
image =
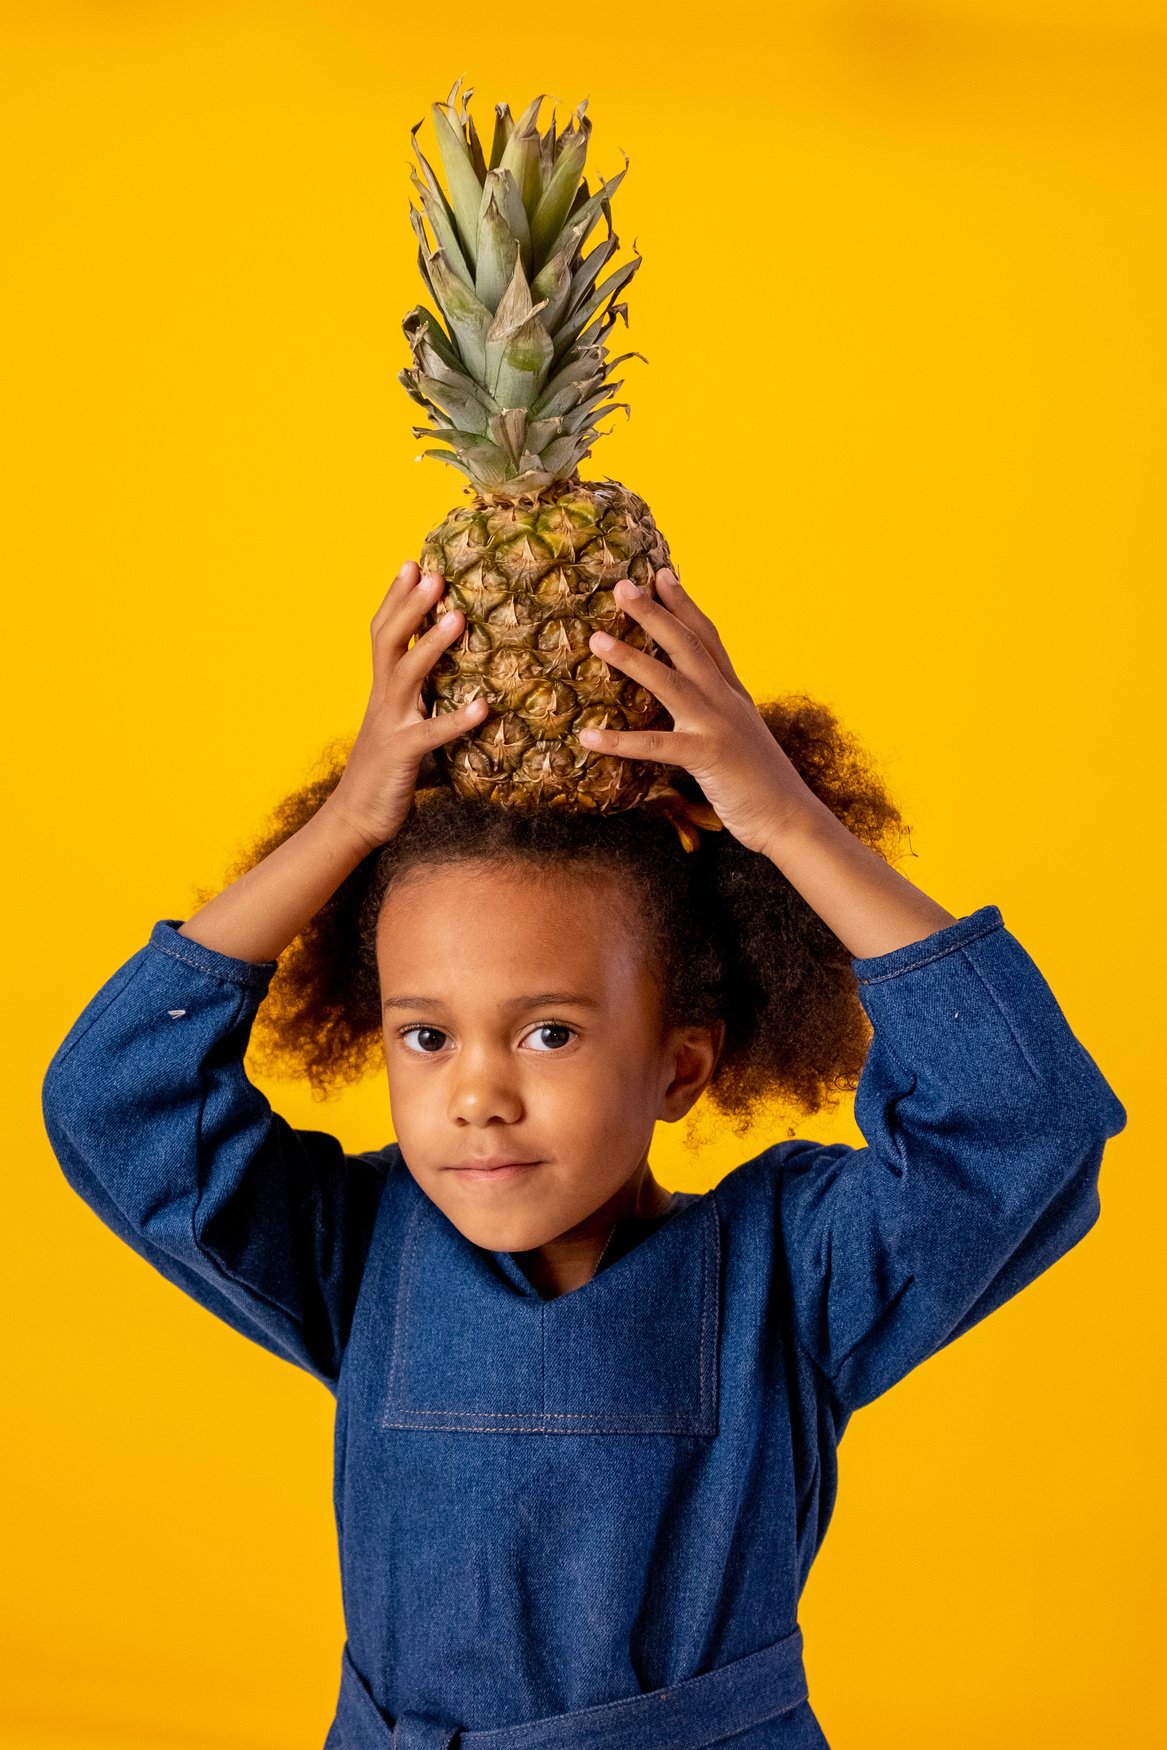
{"x": 376, "y": 787}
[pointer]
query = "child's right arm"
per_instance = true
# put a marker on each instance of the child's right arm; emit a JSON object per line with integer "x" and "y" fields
{"x": 146, "y": 1101}
{"x": 258, "y": 915}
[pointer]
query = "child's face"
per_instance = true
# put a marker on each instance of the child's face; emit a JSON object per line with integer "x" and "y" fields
{"x": 491, "y": 1064}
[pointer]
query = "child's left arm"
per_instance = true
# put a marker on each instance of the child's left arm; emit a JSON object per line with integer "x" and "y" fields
{"x": 721, "y": 738}
{"x": 985, "y": 1118}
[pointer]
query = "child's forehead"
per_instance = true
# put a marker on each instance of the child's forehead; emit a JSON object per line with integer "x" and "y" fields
{"x": 524, "y": 883}
{"x": 526, "y": 908}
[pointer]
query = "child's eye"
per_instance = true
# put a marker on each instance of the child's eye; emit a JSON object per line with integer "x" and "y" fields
{"x": 552, "y": 1027}
{"x": 427, "y": 1032}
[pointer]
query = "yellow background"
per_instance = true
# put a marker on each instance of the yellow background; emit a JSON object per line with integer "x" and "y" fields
{"x": 902, "y": 298}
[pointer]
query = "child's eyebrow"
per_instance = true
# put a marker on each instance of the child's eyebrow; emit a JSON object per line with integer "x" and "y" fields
{"x": 561, "y": 998}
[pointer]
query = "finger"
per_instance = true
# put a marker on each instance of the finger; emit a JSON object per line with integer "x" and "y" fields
{"x": 685, "y": 609}
{"x": 412, "y": 591}
{"x": 668, "y": 684}
{"x": 397, "y": 619}
{"x": 672, "y": 747}
{"x": 405, "y": 580}
{"x": 690, "y": 657}
{"x": 446, "y": 726}
{"x": 420, "y": 657}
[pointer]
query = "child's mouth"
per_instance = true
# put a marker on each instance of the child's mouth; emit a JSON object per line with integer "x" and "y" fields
{"x": 495, "y": 1171}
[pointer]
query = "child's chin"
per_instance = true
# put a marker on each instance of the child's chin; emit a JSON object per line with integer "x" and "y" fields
{"x": 496, "y": 1230}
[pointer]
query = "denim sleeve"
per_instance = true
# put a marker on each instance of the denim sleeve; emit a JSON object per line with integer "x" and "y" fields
{"x": 985, "y": 1121}
{"x": 158, "y": 1129}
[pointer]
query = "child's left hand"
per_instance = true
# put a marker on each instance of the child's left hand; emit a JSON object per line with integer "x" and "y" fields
{"x": 719, "y": 735}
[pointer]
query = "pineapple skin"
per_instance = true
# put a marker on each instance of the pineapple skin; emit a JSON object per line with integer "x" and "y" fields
{"x": 534, "y": 578}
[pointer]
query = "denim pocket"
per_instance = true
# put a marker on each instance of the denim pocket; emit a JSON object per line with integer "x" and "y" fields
{"x": 633, "y": 1351}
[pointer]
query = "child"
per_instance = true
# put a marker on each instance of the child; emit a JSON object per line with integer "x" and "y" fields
{"x": 586, "y": 1429}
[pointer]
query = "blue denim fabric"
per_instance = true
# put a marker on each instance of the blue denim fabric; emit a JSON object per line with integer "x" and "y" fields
{"x": 588, "y": 1520}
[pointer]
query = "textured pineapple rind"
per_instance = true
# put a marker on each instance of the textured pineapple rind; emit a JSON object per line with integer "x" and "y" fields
{"x": 534, "y": 578}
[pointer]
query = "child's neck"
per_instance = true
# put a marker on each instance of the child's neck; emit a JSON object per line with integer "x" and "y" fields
{"x": 570, "y": 1260}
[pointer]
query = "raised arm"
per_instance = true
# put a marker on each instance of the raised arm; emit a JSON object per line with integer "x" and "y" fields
{"x": 722, "y": 739}
{"x": 985, "y": 1117}
{"x": 985, "y": 1120}
{"x": 257, "y": 916}
{"x": 147, "y": 1104}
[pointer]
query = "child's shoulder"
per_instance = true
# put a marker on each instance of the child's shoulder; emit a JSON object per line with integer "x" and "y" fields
{"x": 761, "y": 1178}
{"x": 385, "y": 1162}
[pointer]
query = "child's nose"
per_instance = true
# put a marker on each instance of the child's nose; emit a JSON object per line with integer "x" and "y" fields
{"x": 483, "y": 1092}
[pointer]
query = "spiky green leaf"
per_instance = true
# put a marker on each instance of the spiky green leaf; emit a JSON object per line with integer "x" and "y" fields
{"x": 467, "y": 410}
{"x": 498, "y": 247}
{"x": 503, "y": 128}
{"x": 513, "y": 211}
{"x": 580, "y": 368}
{"x": 441, "y": 220}
{"x": 518, "y": 347}
{"x": 604, "y": 293}
{"x": 468, "y": 317}
{"x": 556, "y": 200}
{"x": 422, "y": 326}
{"x": 462, "y": 181}
{"x": 509, "y": 431}
{"x": 521, "y": 158}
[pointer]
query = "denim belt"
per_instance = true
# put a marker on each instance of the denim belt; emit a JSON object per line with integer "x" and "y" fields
{"x": 686, "y": 1716}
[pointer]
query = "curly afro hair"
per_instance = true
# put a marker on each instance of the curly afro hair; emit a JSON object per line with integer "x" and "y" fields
{"x": 726, "y": 934}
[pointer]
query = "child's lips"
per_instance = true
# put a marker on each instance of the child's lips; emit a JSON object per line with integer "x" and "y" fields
{"x": 496, "y": 1167}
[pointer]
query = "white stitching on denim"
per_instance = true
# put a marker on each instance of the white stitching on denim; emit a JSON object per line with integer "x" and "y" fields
{"x": 940, "y": 954}
{"x": 255, "y": 977}
{"x": 690, "y": 1425}
{"x": 595, "y": 1428}
{"x": 401, "y": 1302}
{"x": 667, "y": 1425}
{"x": 543, "y": 1357}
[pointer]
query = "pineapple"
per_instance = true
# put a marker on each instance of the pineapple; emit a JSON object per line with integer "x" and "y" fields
{"x": 515, "y": 386}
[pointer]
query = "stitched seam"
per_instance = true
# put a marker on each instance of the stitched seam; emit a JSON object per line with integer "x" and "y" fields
{"x": 597, "y": 1420}
{"x": 551, "y": 1415}
{"x": 705, "y": 1260}
{"x": 404, "y": 1291}
{"x": 246, "y": 979}
{"x": 940, "y": 954}
{"x": 626, "y": 1426}
{"x": 1004, "y": 1014}
{"x": 817, "y": 1369}
{"x": 534, "y": 1414}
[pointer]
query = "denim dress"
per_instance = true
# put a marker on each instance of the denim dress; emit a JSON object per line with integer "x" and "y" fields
{"x": 587, "y": 1520}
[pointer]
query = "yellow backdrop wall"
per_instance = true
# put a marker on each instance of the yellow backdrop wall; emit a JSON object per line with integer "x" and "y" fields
{"x": 902, "y": 297}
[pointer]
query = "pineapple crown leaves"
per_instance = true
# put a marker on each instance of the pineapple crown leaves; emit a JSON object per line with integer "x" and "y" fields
{"x": 516, "y": 381}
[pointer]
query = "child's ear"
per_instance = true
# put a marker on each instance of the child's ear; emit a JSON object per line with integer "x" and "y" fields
{"x": 693, "y": 1053}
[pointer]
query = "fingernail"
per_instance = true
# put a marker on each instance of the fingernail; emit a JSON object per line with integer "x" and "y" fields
{"x": 627, "y": 589}
{"x": 601, "y": 641}
{"x": 449, "y": 619}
